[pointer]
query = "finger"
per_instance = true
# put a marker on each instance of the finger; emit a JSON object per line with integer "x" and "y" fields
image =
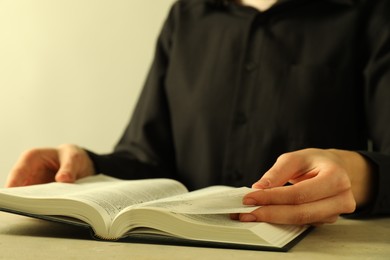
{"x": 69, "y": 164}
{"x": 287, "y": 166}
{"x": 322, "y": 186}
{"x": 235, "y": 216}
{"x": 17, "y": 175}
{"x": 74, "y": 162}
{"x": 323, "y": 211}
{"x": 33, "y": 167}
{"x": 15, "y": 178}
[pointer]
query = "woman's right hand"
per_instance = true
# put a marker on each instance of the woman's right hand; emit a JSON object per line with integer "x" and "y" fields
{"x": 66, "y": 163}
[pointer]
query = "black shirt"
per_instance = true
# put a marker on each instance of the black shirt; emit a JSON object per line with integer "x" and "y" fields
{"x": 231, "y": 88}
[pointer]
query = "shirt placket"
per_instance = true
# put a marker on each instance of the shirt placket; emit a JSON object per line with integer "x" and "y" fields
{"x": 238, "y": 136}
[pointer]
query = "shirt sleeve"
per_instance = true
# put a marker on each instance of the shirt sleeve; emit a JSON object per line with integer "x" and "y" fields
{"x": 377, "y": 75}
{"x": 145, "y": 149}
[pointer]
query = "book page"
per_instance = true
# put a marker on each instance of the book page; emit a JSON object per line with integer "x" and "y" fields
{"x": 211, "y": 200}
{"x": 114, "y": 198}
{"x": 206, "y": 227}
{"x": 274, "y": 234}
{"x": 106, "y": 194}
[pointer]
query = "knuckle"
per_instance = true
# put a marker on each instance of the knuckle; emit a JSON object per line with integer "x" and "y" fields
{"x": 65, "y": 146}
{"x": 328, "y": 220}
{"x": 68, "y": 148}
{"x": 263, "y": 197}
{"x": 286, "y": 157}
{"x": 344, "y": 182}
{"x": 262, "y": 214}
{"x": 304, "y": 217}
{"x": 74, "y": 155}
{"x": 298, "y": 157}
{"x": 339, "y": 178}
{"x": 349, "y": 206}
{"x": 299, "y": 198}
{"x": 30, "y": 154}
{"x": 332, "y": 219}
{"x": 70, "y": 152}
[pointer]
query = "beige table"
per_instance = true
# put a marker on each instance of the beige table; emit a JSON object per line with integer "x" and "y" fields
{"x": 27, "y": 238}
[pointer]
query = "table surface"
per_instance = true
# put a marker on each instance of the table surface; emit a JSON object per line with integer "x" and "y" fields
{"x": 28, "y": 238}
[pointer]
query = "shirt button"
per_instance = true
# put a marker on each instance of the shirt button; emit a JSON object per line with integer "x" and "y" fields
{"x": 250, "y": 66}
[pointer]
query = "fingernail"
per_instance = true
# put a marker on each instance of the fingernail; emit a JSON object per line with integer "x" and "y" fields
{"x": 261, "y": 184}
{"x": 247, "y": 218}
{"x": 249, "y": 201}
{"x": 64, "y": 177}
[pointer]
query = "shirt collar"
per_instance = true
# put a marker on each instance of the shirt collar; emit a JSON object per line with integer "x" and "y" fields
{"x": 349, "y": 2}
{"x": 226, "y": 2}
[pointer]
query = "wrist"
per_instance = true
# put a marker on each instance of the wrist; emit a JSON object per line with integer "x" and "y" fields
{"x": 360, "y": 171}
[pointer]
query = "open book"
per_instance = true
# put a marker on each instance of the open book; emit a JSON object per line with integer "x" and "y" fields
{"x": 153, "y": 209}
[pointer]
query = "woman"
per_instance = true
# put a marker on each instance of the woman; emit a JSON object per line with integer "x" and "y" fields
{"x": 244, "y": 92}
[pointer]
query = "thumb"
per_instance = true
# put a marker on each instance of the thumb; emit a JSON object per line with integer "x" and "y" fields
{"x": 286, "y": 167}
{"x": 64, "y": 175}
{"x": 68, "y": 157}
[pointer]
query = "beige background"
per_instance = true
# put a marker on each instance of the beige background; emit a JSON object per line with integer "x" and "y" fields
{"x": 71, "y": 70}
